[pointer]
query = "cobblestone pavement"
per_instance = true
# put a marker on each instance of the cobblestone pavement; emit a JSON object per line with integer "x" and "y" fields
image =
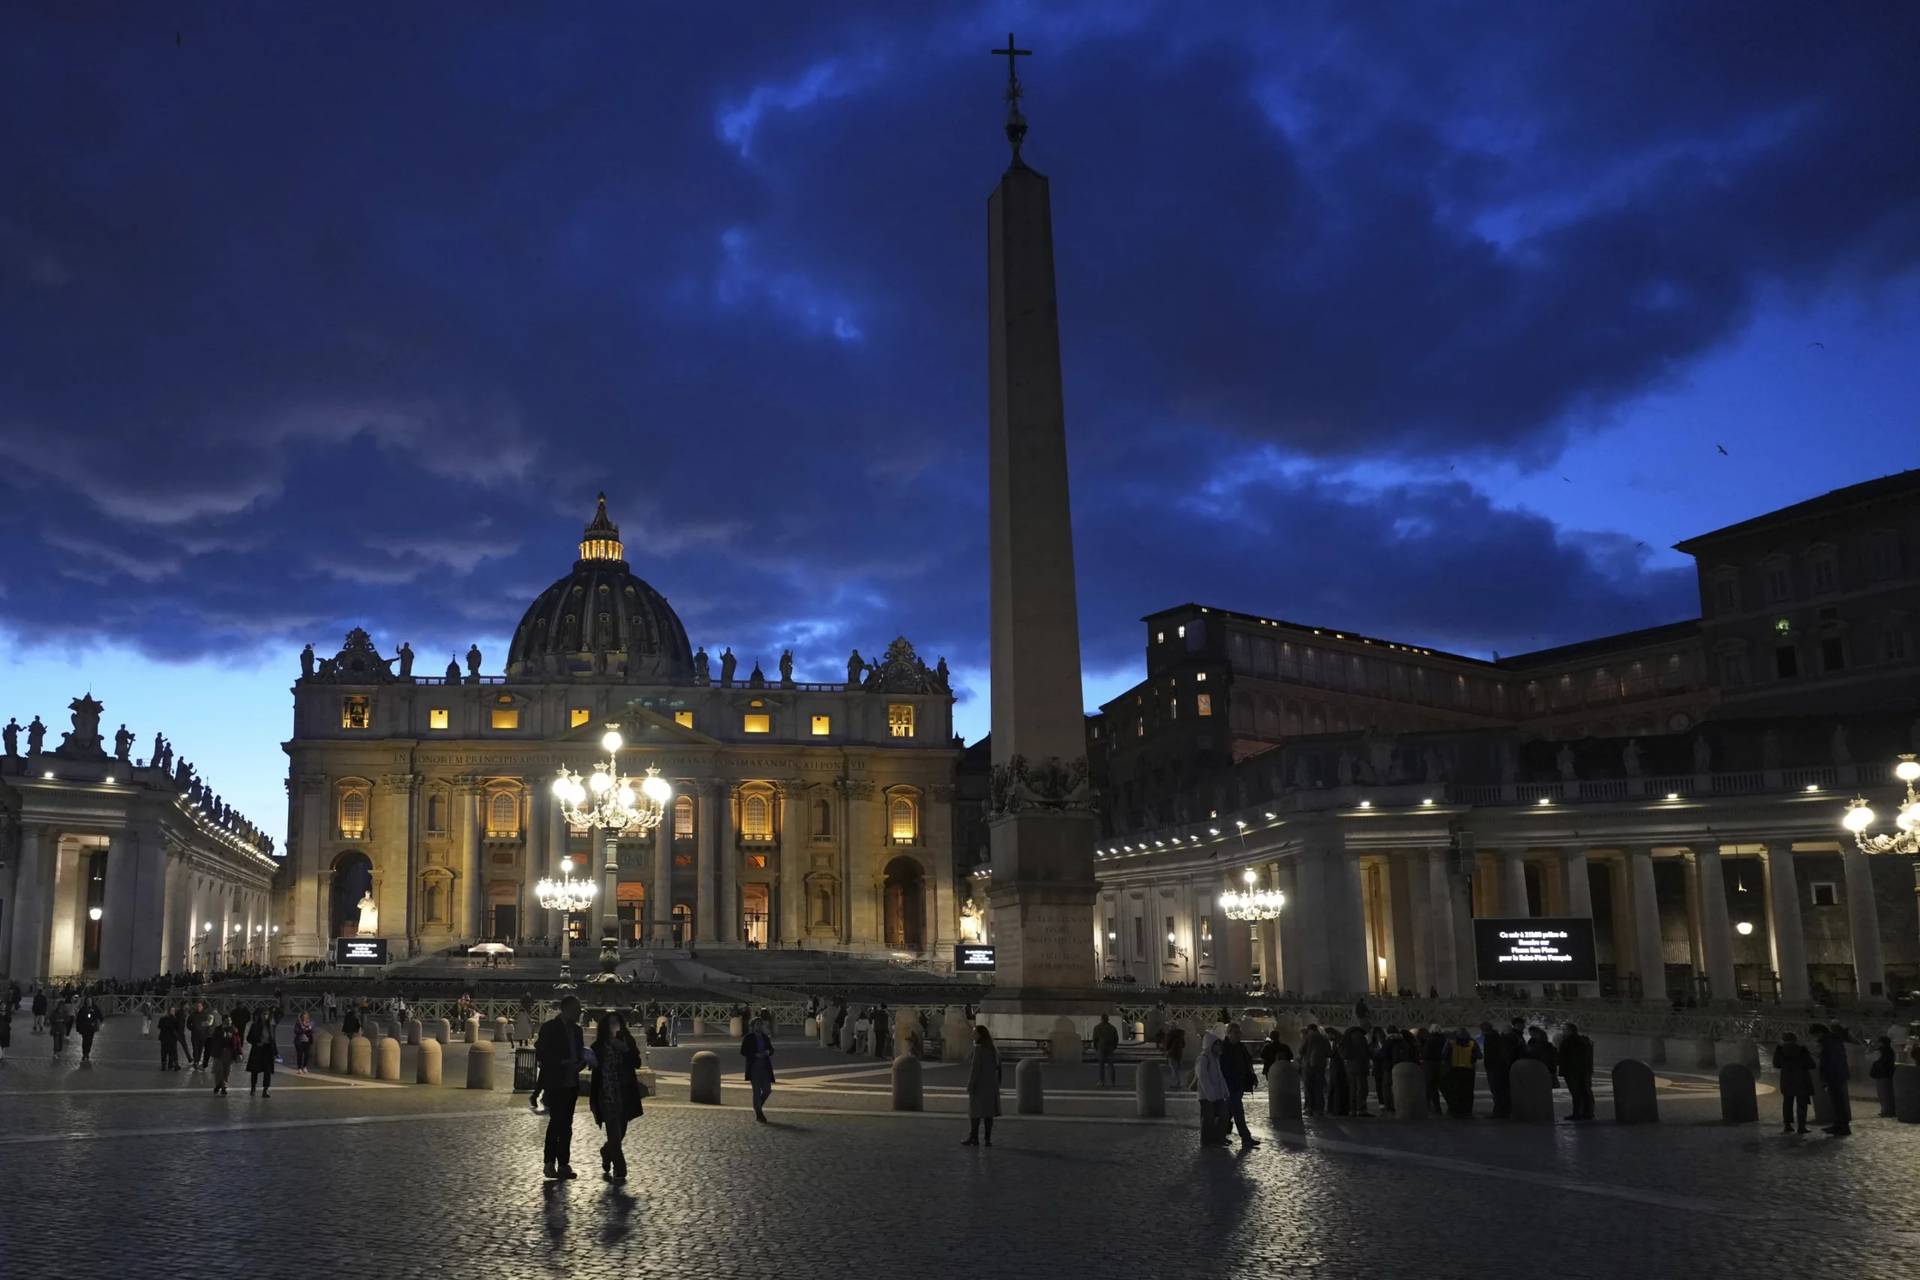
{"x": 116, "y": 1170}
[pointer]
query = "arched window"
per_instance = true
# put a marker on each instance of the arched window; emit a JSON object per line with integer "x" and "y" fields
{"x": 822, "y": 818}
{"x": 756, "y": 817}
{"x": 903, "y": 821}
{"x": 503, "y": 814}
{"x": 437, "y": 812}
{"x": 353, "y": 813}
{"x": 683, "y": 817}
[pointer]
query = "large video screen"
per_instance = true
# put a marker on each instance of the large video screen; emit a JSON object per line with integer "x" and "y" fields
{"x": 1547, "y": 949}
{"x": 359, "y": 950}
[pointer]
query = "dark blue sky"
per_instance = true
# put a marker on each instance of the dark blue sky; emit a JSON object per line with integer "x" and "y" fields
{"x": 1419, "y": 320}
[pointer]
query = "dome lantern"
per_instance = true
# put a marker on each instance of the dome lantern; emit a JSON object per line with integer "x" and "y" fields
{"x": 601, "y": 538}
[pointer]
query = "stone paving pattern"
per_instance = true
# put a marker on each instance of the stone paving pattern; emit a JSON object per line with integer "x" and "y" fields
{"x": 117, "y": 1170}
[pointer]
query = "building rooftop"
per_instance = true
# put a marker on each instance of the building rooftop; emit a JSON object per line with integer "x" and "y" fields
{"x": 1901, "y": 484}
{"x": 1664, "y": 633}
{"x": 1326, "y": 633}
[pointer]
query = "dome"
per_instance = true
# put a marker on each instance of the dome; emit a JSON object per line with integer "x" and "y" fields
{"x": 600, "y": 620}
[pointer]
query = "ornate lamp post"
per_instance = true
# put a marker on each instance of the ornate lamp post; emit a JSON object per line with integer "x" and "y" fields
{"x": 1906, "y": 838}
{"x": 565, "y": 895}
{"x": 1253, "y": 905}
{"x": 612, "y": 805}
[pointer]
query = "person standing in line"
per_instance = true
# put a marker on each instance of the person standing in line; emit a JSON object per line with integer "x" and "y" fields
{"x": 39, "y": 1009}
{"x": 260, "y": 1054}
{"x": 614, "y": 1092}
{"x": 1433, "y": 1063}
{"x": 1273, "y": 1049}
{"x": 87, "y": 1024}
{"x": 1462, "y": 1053}
{"x": 1210, "y": 1083}
{"x": 1574, "y": 1061}
{"x": 223, "y": 1049}
{"x": 302, "y": 1042}
{"x": 58, "y": 1024}
{"x": 757, "y": 1048}
{"x": 983, "y": 1087}
{"x": 1313, "y": 1057}
{"x": 1106, "y": 1041}
{"x": 560, "y": 1052}
{"x": 169, "y": 1029}
{"x": 1795, "y": 1066}
{"x": 1881, "y": 1073}
{"x": 1236, "y": 1065}
{"x": 197, "y": 1035}
{"x": 1833, "y": 1076}
{"x": 1497, "y": 1054}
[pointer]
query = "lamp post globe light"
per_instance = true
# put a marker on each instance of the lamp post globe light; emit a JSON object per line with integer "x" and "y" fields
{"x": 1252, "y": 904}
{"x": 1905, "y": 838}
{"x": 565, "y": 895}
{"x": 612, "y": 805}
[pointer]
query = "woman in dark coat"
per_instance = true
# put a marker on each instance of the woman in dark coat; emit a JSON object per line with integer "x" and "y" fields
{"x": 260, "y": 1054}
{"x": 983, "y": 1087}
{"x": 1795, "y": 1065}
{"x": 615, "y": 1091}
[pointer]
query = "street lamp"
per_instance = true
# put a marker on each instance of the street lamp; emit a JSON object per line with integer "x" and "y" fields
{"x": 1906, "y": 839}
{"x": 613, "y": 805}
{"x": 1253, "y": 904}
{"x": 565, "y": 895}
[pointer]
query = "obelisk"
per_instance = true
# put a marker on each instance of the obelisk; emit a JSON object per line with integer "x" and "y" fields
{"x": 1041, "y": 825}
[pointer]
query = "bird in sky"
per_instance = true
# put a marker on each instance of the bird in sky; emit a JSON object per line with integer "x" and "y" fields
{"x": 1723, "y": 450}
{"x": 1812, "y": 345}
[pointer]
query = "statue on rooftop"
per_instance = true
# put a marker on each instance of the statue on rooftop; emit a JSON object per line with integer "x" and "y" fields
{"x": 473, "y": 664}
{"x": 856, "y": 667}
{"x": 1563, "y": 761}
{"x": 701, "y": 671}
{"x": 123, "y": 744}
{"x": 786, "y": 667}
{"x": 12, "y": 736}
{"x": 36, "y": 736}
{"x": 727, "y": 663}
{"x": 406, "y": 660}
{"x": 306, "y": 661}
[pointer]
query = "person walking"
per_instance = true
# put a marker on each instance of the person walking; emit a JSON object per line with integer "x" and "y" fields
{"x": 59, "y": 1022}
{"x": 39, "y": 1009}
{"x": 260, "y": 1054}
{"x": 560, "y": 1052}
{"x": 1795, "y": 1065}
{"x": 1881, "y": 1073}
{"x": 757, "y": 1048}
{"x": 1573, "y": 1059}
{"x": 1210, "y": 1083}
{"x": 87, "y": 1024}
{"x": 614, "y": 1092}
{"x": 302, "y": 1042}
{"x": 197, "y": 1025}
{"x": 146, "y": 1018}
{"x": 1833, "y": 1077}
{"x": 169, "y": 1028}
{"x": 1236, "y": 1064}
{"x": 1106, "y": 1041}
{"x": 223, "y": 1049}
{"x": 983, "y": 1087}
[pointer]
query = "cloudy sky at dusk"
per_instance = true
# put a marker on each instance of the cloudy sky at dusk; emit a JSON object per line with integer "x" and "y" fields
{"x": 1423, "y": 321}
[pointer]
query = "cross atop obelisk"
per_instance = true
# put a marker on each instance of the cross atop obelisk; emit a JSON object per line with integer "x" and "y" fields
{"x": 1016, "y": 123}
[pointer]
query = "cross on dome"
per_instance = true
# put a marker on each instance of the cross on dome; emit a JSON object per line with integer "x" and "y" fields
{"x": 1016, "y": 123}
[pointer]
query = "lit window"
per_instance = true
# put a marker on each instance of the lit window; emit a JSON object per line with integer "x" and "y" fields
{"x": 503, "y": 814}
{"x": 683, "y": 817}
{"x": 758, "y": 861}
{"x": 506, "y": 717}
{"x": 684, "y": 719}
{"x": 1159, "y": 637}
{"x": 436, "y": 717}
{"x": 1173, "y": 708}
{"x": 1203, "y": 704}
{"x": 1201, "y": 678}
{"x": 900, "y": 719}
{"x": 903, "y": 821}
{"x": 355, "y": 712}
{"x": 1139, "y": 728}
{"x": 353, "y": 814}
{"x": 577, "y": 716}
{"x": 756, "y": 722}
{"x": 1825, "y": 893}
{"x": 822, "y": 726}
{"x": 1181, "y": 630}
{"x": 756, "y": 818}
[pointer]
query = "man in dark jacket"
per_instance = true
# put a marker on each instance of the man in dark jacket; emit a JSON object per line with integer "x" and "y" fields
{"x": 1236, "y": 1064}
{"x": 1314, "y": 1052}
{"x": 1575, "y": 1061}
{"x": 87, "y": 1024}
{"x": 1833, "y": 1078}
{"x": 1356, "y": 1055}
{"x": 1106, "y": 1039}
{"x": 560, "y": 1052}
{"x": 1497, "y": 1053}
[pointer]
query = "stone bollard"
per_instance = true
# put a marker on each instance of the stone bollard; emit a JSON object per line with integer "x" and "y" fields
{"x": 413, "y": 1031}
{"x": 1028, "y": 1090}
{"x": 342, "y": 1049}
{"x": 1410, "y": 1091}
{"x": 1150, "y": 1091}
{"x": 441, "y": 1030}
{"x": 1906, "y": 1093}
{"x": 956, "y": 1035}
{"x": 389, "y": 1067}
{"x": 1283, "y": 1091}
{"x": 1738, "y": 1105}
{"x": 810, "y": 1028}
{"x": 736, "y": 1027}
{"x": 1633, "y": 1100}
{"x": 502, "y": 1031}
{"x": 479, "y": 1065}
{"x": 1531, "y": 1088}
{"x": 473, "y": 1028}
{"x": 906, "y": 1083}
{"x": 320, "y": 1052}
{"x": 426, "y": 1068}
{"x": 700, "y": 1027}
{"x": 826, "y": 1033}
{"x": 360, "y": 1057}
{"x": 1139, "y": 1030}
{"x": 1063, "y": 1041}
{"x": 704, "y": 1078}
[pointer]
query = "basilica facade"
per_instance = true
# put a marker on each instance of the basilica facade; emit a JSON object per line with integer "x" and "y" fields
{"x": 813, "y": 814}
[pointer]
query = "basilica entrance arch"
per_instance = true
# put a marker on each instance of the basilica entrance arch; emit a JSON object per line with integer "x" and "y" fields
{"x": 352, "y": 881}
{"x": 905, "y": 898}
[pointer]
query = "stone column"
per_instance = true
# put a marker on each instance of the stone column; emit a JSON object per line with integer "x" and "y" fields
{"x": 466, "y": 908}
{"x": 117, "y": 905}
{"x": 557, "y": 846}
{"x": 727, "y": 908}
{"x": 856, "y": 858}
{"x": 706, "y": 831}
{"x": 660, "y": 892}
{"x": 539, "y": 857}
{"x": 394, "y": 855}
{"x": 1444, "y": 969}
{"x": 1789, "y": 942}
{"x": 1290, "y": 928}
{"x": 1863, "y": 922}
{"x": 31, "y": 888}
{"x": 788, "y": 890}
{"x": 1513, "y": 886}
{"x": 1646, "y": 928}
{"x": 149, "y": 932}
{"x": 1579, "y": 899}
{"x": 1716, "y": 935}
